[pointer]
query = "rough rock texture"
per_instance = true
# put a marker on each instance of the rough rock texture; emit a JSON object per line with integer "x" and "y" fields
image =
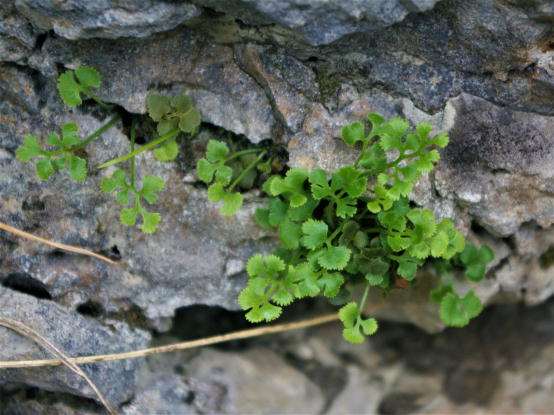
{"x": 322, "y": 22}
{"x": 109, "y": 19}
{"x": 493, "y": 366}
{"x": 294, "y": 72}
{"x": 74, "y": 334}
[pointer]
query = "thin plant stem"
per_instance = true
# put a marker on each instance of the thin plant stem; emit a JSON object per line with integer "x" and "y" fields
{"x": 68, "y": 248}
{"x": 90, "y": 138}
{"x": 243, "y": 153}
{"x": 364, "y": 297}
{"x": 148, "y": 146}
{"x": 191, "y": 344}
{"x": 246, "y": 170}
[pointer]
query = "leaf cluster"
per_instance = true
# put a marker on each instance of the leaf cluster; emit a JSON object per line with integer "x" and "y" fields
{"x": 173, "y": 115}
{"x": 224, "y": 170}
{"x": 73, "y": 85}
{"x": 128, "y": 194}
{"x": 354, "y": 226}
{"x": 59, "y": 154}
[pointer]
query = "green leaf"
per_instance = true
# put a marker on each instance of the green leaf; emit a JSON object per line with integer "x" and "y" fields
{"x": 392, "y": 132}
{"x": 457, "y": 311}
{"x": 205, "y": 170}
{"x": 374, "y": 159}
{"x": 157, "y": 106}
{"x": 315, "y": 233}
{"x": 319, "y": 184}
{"x": 77, "y": 168}
{"x": 375, "y": 119}
{"x": 353, "y": 335}
{"x": 69, "y": 89}
{"x": 437, "y": 294}
{"x": 70, "y": 135}
{"x": 150, "y": 221}
{"x": 334, "y": 257}
{"x": 261, "y": 217}
{"x": 475, "y": 261}
{"x": 224, "y": 174}
{"x": 216, "y": 192}
{"x": 88, "y": 77}
{"x": 165, "y": 126}
{"x": 216, "y": 151}
{"x": 441, "y": 140}
{"x": 292, "y": 186}
{"x": 374, "y": 280}
{"x": 232, "y": 202}
{"x": 151, "y": 186}
{"x": 349, "y": 314}
{"x": 260, "y": 308}
{"x": 29, "y": 149}
{"x": 123, "y": 197}
{"x": 264, "y": 266}
{"x": 369, "y": 326}
{"x": 353, "y": 133}
{"x": 330, "y": 283}
{"x": 54, "y": 140}
{"x": 361, "y": 240}
{"x": 44, "y": 169}
{"x": 395, "y": 218}
{"x": 128, "y": 216}
{"x": 407, "y": 268}
{"x": 181, "y": 103}
{"x": 189, "y": 121}
{"x": 346, "y": 207}
{"x": 277, "y": 211}
{"x": 423, "y": 220}
{"x": 289, "y": 233}
{"x": 168, "y": 151}
{"x": 351, "y": 180}
{"x": 118, "y": 180}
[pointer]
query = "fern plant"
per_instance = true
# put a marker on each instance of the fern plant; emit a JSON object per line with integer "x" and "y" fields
{"x": 173, "y": 117}
{"x": 351, "y": 228}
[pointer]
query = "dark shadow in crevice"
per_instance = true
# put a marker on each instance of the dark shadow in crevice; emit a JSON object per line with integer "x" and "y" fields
{"x": 24, "y": 283}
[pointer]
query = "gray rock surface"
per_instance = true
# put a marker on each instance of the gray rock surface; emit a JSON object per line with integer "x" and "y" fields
{"x": 75, "y": 335}
{"x": 106, "y": 19}
{"x": 322, "y": 22}
{"x": 294, "y": 72}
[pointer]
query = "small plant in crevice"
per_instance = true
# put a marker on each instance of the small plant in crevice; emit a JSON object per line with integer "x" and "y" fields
{"x": 341, "y": 233}
{"x": 351, "y": 228}
{"x": 173, "y": 117}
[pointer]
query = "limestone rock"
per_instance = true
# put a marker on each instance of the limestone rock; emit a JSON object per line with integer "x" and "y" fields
{"x": 106, "y": 19}
{"x": 75, "y": 335}
{"x": 322, "y": 22}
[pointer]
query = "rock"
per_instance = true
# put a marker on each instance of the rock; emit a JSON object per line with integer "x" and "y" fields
{"x": 166, "y": 394}
{"x": 321, "y": 23}
{"x": 75, "y": 335}
{"x": 290, "y": 85}
{"x": 256, "y": 381}
{"x": 82, "y": 19}
{"x": 223, "y": 93}
{"x": 498, "y": 164}
{"x": 17, "y": 36}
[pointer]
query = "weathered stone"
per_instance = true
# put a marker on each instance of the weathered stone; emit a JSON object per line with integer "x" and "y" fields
{"x": 498, "y": 164}
{"x": 223, "y": 93}
{"x": 322, "y": 22}
{"x": 288, "y": 82}
{"x": 17, "y": 37}
{"x": 106, "y": 19}
{"x": 267, "y": 384}
{"x": 73, "y": 334}
{"x": 170, "y": 264}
